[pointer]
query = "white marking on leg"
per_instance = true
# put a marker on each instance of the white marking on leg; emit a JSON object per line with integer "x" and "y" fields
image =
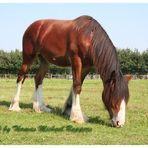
{"x": 76, "y": 101}
{"x": 119, "y": 118}
{"x": 38, "y": 95}
{"x": 38, "y": 104}
{"x": 76, "y": 113}
{"x": 14, "y": 106}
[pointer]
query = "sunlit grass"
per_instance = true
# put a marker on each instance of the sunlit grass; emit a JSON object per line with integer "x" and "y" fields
{"x": 28, "y": 127}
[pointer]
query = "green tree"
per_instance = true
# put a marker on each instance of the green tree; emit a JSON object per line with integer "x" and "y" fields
{"x": 145, "y": 61}
{"x": 132, "y": 62}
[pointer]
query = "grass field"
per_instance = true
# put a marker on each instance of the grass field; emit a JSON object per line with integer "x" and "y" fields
{"x": 28, "y": 127}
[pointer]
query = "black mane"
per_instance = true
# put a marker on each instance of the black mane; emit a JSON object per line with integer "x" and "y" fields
{"x": 103, "y": 54}
{"x": 102, "y": 51}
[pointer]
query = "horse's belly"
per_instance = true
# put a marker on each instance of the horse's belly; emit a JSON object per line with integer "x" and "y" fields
{"x": 60, "y": 61}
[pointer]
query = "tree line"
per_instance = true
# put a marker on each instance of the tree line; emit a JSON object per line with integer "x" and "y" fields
{"x": 132, "y": 62}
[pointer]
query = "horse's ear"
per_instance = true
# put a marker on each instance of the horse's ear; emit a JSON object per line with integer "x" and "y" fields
{"x": 128, "y": 77}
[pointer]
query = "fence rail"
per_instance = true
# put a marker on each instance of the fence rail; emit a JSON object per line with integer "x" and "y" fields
{"x": 65, "y": 76}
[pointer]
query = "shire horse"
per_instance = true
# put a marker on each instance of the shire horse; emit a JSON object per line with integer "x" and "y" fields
{"x": 82, "y": 44}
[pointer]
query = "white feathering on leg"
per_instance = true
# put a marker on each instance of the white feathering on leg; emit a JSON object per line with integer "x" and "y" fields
{"x": 14, "y": 106}
{"x": 76, "y": 113}
{"x": 38, "y": 104}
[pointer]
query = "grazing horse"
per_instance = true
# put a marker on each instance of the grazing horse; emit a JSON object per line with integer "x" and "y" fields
{"x": 82, "y": 44}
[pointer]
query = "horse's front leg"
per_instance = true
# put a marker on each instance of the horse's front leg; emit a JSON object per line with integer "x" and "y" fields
{"x": 68, "y": 103}
{"x": 76, "y": 114}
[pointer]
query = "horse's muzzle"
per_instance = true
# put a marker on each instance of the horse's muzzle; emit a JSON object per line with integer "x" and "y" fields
{"x": 117, "y": 123}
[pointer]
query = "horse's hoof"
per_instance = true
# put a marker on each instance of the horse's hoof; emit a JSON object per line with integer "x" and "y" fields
{"x": 41, "y": 108}
{"x": 78, "y": 117}
{"x": 14, "y": 107}
{"x": 79, "y": 121}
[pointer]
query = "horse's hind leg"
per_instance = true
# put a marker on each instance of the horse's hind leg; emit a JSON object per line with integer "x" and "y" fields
{"x": 14, "y": 106}
{"x": 38, "y": 104}
{"x": 28, "y": 57}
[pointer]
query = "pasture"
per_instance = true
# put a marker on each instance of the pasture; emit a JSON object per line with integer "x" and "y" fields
{"x": 28, "y": 127}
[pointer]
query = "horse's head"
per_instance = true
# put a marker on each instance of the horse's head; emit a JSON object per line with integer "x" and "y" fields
{"x": 115, "y": 97}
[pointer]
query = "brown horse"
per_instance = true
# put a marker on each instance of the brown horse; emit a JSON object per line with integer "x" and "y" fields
{"x": 80, "y": 43}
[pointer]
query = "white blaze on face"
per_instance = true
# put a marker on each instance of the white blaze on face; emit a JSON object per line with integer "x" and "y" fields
{"x": 119, "y": 118}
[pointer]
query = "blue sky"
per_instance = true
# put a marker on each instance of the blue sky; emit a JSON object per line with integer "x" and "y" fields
{"x": 126, "y": 24}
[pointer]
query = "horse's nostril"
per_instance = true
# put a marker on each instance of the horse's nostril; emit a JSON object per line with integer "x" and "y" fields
{"x": 117, "y": 123}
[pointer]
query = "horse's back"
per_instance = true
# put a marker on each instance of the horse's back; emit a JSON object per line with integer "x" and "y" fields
{"x": 58, "y": 39}
{"x": 38, "y": 29}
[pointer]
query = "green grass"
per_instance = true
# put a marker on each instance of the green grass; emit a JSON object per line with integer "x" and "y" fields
{"x": 28, "y": 127}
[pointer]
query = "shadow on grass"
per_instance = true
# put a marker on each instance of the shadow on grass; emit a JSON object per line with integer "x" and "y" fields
{"x": 98, "y": 120}
{"x": 55, "y": 110}
{"x": 22, "y": 105}
{"x": 58, "y": 112}
{"x": 93, "y": 120}
{"x": 5, "y": 103}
